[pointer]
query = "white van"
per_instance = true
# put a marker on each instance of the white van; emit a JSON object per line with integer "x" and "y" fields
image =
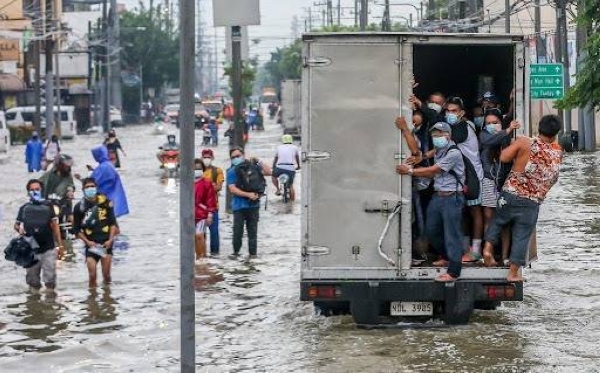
{"x": 23, "y": 116}
{"x": 4, "y": 134}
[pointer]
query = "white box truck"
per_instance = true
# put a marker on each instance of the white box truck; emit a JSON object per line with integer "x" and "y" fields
{"x": 291, "y": 107}
{"x": 357, "y": 212}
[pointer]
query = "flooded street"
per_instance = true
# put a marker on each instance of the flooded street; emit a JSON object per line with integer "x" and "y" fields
{"x": 248, "y": 316}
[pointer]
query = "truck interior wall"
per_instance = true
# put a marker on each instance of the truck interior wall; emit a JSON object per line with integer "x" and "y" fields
{"x": 458, "y": 70}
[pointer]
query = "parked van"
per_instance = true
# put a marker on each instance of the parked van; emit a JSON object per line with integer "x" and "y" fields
{"x": 4, "y": 134}
{"x": 22, "y": 116}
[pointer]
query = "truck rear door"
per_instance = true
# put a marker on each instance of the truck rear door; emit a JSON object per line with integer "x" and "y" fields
{"x": 350, "y": 151}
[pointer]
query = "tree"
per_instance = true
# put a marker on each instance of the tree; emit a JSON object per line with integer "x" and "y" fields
{"x": 586, "y": 90}
{"x": 149, "y": 44}
{"x": 248, "y": 77}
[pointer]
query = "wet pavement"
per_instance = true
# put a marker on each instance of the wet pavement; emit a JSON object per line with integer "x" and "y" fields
{"x": 248, "y": 315}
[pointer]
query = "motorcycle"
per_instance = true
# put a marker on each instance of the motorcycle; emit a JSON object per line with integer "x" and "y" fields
{"x": 284, "y": 183}
{"x": 158, "y": 128}
{"x": 169, "y": 161}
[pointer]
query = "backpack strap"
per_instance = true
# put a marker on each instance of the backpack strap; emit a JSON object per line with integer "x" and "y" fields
{"x": 452, "y": 172}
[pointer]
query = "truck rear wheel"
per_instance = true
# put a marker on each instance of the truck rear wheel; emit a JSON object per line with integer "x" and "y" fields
{"x": 332, "y": 308}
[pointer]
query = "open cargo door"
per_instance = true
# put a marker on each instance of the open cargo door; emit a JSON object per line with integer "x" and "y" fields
{"x": 351, "y": 98}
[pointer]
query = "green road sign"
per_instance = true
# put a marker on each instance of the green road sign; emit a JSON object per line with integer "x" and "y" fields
{"x": 547, "y": 81}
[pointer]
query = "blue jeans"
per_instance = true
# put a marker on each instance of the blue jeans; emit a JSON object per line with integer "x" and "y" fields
{"x": 214, "y": 234}
{"x": 444, "y": 229}
{"x": 215, "y": 137}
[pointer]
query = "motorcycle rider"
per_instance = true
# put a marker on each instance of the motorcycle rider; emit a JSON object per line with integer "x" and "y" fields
{"x": 287, "y": 161}
{"x": 170, "y": 145}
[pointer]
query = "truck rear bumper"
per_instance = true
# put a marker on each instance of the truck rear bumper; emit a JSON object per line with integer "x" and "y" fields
{"x": 409, "y": 290}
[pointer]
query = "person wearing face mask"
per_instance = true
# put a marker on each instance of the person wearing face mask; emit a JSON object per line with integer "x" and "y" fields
{"x": 113, "y": 145}
{"x": 38, "y": 221}
{"x": 33, "y": 153}
{"x": 205, "y": 202}
{"x": 96, "y": 225}
{"x": 51, "y": 151}
{"x": 246, "y": 183}
{"x": 444, "y": 214}
{"x": 216, "y": 176}
{"x": 493, "y": 140}
{"x": 478, "y": 119}
{"x": 464, "y": 135}
{"x": 59, "y": 179}
{"x": 432, "y": 109}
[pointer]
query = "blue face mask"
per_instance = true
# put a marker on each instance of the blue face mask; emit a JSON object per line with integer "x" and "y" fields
{"x": 440, "y": 142}
{"x": 451, "y": 118}
{"x": 237, "y": 161}
{"x": 35, "y": 195}
{"x": 198, "y": 174}
{"x": 491, "y": 128}
{"x": 90, "y": 193}
{"x": 478, "y": 121}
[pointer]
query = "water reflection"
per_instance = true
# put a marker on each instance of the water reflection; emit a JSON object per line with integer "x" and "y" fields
{"x": 100, "y": 309}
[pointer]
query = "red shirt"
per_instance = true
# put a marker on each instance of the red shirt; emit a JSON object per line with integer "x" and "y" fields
{"x": 205, "y": 198}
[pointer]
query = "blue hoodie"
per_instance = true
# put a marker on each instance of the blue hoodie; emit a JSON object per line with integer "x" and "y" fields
{"x": 108, "y": 181}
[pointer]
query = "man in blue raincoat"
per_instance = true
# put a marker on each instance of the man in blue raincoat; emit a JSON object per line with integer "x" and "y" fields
{"x": 33, "y": 153}
{"x": 108, "y": 181}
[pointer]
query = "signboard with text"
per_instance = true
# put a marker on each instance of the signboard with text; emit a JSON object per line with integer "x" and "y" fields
{"x": 9, "y": 50}
{"x": 546, "y": 81}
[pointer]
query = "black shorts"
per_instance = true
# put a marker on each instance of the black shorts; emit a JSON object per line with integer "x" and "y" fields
{"x": 97, "y": 257}
{"x": 291, "y": 174}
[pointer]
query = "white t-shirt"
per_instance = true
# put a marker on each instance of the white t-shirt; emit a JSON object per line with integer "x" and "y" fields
{"x": 470, "y": 149}
{"x": 286, "y": 157}
{"x": 51, "y": 150}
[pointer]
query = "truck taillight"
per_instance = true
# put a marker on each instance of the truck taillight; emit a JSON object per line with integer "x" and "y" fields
{"x": 494, "y": 292}
{"x": 324, "y": 292}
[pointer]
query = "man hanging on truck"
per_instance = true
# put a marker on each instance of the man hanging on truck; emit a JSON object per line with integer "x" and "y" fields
{"x": 444, "y": 213}
{"x": 535, "y": 170}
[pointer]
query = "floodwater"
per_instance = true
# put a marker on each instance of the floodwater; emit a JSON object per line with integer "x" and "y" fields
{"x": 249, "y": 318}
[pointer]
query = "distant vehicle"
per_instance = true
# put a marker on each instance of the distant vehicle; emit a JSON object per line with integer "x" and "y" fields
{"x": 172, "y": 112}
{"x": 172, "y": 96}
{"x": 115, "y": 116}
{"x": 214, "y": 107}
{"x": 22, "y": 116}
{"x": 269, "y": 95}
{"x": 4, "y": 134}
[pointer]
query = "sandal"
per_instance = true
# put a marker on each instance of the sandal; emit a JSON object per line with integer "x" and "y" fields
{"x": 445, "y": 278}
{"x": 441, "y": 263}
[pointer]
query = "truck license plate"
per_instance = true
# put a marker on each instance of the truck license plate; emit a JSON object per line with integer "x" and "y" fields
{"x": 411, "y": 309}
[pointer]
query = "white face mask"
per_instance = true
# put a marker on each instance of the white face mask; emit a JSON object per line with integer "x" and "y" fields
{"x": 207, "y": 162}
{"x": 434, "y": 106}
{"x": 198, "y": 174}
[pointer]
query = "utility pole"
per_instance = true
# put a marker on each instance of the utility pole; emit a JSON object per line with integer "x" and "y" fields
{"x": 587, "y": 125}
{"x": 106, "y": 70}
{"x": 200, "y": 48}
{"x": 339, "y": 13}
{"x": 36, "y": 53}
{"x": 187, "y": 52}
{"x": 364, "y": 14}
{"x": 115, "y": 46}
{"x": 236, "y": 55}
{"x": 431, "y": 10}
{"x": 329, "y": 13}
{"x": 387, "y": 22}
{"x": 507, "y": 16}
{"x": 356, "y": 12}
{"x": 537, "y": 14}
{"x": 563, "y": 52}
{"x": 310, "y": 19}
{"x": 49, "y": 115}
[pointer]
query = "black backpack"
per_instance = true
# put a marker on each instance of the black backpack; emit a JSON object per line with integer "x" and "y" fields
{"x": 471, "y": 187}
{"x": 37, "y": 218}
{"x": 250, "y": 177}
{"x": 20, "y": 252}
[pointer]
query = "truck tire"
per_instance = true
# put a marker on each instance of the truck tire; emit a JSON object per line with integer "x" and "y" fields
{"x": 486, "y": 305}
{"x": 364, "y": 312}
{"x": 332, "y": 308}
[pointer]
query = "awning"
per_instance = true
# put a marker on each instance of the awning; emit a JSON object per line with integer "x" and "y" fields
{"x": 11, "y": 83}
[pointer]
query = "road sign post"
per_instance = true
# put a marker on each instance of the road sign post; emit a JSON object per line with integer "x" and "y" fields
{"x": 547, "y": 81}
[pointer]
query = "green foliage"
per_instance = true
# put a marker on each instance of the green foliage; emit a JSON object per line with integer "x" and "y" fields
{"x": 248, "y": 76}
{"x": 586, "y": 90}
{"x": 148, "y": 39}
